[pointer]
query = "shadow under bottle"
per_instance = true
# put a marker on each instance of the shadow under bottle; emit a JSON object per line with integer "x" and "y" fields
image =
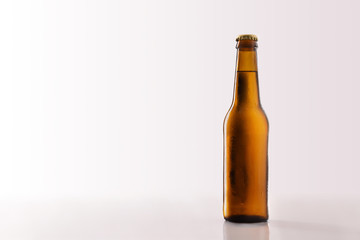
{"x": 258, "y": 231}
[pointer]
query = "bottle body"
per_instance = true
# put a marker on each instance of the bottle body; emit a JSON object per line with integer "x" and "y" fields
{"x": 245, "y": 147}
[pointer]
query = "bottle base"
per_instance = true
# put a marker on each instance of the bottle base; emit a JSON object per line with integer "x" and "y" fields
{"x": 245, "y": 219}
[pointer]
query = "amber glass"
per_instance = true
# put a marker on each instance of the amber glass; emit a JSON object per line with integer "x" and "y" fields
{"x": 246, "y": 144}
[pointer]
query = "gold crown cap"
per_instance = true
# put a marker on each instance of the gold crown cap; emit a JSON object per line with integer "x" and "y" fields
{"x": 247, "y": 37}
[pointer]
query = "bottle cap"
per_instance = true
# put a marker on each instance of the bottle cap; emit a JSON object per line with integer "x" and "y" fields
{"x": 247, "y": 37}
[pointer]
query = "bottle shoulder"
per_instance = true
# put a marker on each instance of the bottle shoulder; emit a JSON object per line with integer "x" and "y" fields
{"x": 245, "y": 115}
{"x": 244, "y": 110}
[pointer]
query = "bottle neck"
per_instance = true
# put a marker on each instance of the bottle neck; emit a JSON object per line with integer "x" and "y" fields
{"x": 246, "y": 91}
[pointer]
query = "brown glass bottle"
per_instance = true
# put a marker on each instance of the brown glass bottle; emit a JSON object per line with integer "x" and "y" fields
{"x": 246, "y": 142}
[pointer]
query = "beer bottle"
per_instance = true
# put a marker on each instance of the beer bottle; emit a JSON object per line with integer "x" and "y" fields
{"x": 246, "y": 142}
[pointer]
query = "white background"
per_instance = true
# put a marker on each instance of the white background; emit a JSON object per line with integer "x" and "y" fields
{"x": 126, "y": 99}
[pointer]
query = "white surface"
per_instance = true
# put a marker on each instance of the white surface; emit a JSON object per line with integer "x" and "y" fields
{"x": 125, "y": 100}
{"x": 320, "y": 219}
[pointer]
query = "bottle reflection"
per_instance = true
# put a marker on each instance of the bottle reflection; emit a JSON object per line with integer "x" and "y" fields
{"x": 254, "y": 231}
